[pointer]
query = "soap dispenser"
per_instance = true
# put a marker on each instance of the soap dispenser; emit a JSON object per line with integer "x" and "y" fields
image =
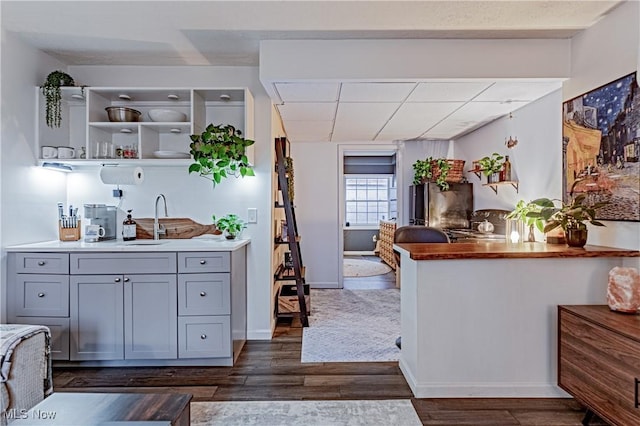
{"x": 129, "y": 228}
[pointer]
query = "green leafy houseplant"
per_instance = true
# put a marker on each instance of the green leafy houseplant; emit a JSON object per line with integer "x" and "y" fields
{"x": 570, "y": 217}
{"x": 231, "y": 225}
{"x": 424, "y": 171}
{"x": 523, "y": 211}
{"x": 53, "y": 96}
{"x": 491, "y": 165}
{"x": 219, "y": 152}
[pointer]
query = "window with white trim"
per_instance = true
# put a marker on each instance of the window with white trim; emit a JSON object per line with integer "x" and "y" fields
{"x": 369, "y": 199}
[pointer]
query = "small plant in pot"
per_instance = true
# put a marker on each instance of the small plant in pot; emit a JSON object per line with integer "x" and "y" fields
{"x": 230, "y": 225}
{"x": 219, "y": 152}
{"x": 528, "y": 213}
{"x": 491, "y": 166}
{"x": 570, "y": 217}
{"x": 53, "y": 96}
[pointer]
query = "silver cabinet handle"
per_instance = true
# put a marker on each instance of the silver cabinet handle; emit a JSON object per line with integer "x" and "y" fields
{"x": 202, "y": 262}
{"x": 203, "y": 293}
{"x": 40, "y": 294}
{"x": 126, "y": 279}
{"x": 203, "y": 336}
{"x": 41, "y": 263}
{"x": 116, "y": 280}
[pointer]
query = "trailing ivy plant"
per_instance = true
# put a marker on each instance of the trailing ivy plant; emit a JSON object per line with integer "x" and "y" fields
{"x": 53, "y": 96}
{"x": 424, "y": 171}
{"x": 288, "y": 164}
{"x": 220, "y": 152}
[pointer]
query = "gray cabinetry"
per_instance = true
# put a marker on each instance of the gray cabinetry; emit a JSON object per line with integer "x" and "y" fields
{"x": 38, "y": 294}
{"x": 134, "y": 308}
{"x": 150, "y": 313}
{"x": 96, "y": 317}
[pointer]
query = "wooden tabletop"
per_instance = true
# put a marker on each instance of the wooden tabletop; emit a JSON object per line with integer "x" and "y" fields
{"x": 442, "y": 251}
{"x": 82, "y": 409}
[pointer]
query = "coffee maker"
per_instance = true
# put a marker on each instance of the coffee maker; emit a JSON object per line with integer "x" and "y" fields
{"x": 103, "y": 215}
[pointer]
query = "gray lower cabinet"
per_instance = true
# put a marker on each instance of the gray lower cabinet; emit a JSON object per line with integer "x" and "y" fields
{"x": 96, "y": 320}
{"x": 38, "y": 294}
{"x": 150, "y": 313}
{"x": 167, "y": 308}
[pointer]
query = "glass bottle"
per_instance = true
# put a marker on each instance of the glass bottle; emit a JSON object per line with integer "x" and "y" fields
{"x": 129, "y": 228}
{"x": 506, "y": 167}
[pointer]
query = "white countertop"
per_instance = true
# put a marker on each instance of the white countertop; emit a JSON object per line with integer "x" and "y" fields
{"x": 193, "y": 244}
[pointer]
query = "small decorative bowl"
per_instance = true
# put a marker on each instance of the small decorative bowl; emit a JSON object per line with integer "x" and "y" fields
{"x": 167, "y": 115}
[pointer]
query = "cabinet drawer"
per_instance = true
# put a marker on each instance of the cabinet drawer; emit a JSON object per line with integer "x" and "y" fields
{"x": 204, "y": 294}
{"x": 204, "y": 336}
{"x": 42, "y": 263}
{"x": 123, "y": 263}
{"x": 596, "y": 366}
{"x": 42, "y": 295}
{"x": 59, "y": 328}
{"x": 204, "y": 262}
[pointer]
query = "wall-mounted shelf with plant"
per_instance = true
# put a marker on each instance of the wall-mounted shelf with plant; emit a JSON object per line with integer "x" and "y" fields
{"x": 439, "y": 170}
{"x": 220, "y": 152}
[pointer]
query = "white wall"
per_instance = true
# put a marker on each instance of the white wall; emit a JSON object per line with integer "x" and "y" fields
{"x": 29, "y": 194}
{"x": 536, "y": 160}
{"x": 605, "y": 52}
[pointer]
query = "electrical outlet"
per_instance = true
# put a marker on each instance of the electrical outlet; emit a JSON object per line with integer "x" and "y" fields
{"x": 252, "y": 215}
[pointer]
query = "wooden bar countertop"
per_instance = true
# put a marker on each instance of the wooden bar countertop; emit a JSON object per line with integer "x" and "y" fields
{"x": 442, "y": 251}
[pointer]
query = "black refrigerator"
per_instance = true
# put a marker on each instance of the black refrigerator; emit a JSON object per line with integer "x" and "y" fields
{"x": 450, "y": 209}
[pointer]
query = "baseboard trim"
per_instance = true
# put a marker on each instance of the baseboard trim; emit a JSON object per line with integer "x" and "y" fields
{"x": 259, "y": 334}
{"x": 358, "y": 253}
{"x": 481, "y": 390}
{"x": 324, "y": 285}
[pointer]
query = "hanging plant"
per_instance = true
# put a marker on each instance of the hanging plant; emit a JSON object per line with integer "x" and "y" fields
{"x": 431, "y": 170}
{"x": 288, "y": 164}
{"x": 53, "y": 96}
{"x": 220, "y": 151}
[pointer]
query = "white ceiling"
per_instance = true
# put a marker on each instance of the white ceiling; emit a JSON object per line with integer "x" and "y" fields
{"x": 227, "y": 33}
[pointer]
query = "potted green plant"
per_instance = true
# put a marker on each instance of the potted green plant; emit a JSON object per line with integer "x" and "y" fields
{"x": 491, "y": 166}
{"x": 523, "y": 211}
{"x": 219, "y": 152}
{"x": 570, "y": 217}
{"x": 429, "y": 169}
{"x": 53, "y": 96}
{"x": 230, "y": 225}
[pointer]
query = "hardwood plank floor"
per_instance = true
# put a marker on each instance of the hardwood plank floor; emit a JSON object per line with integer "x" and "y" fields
{"x": 271, "y": 370}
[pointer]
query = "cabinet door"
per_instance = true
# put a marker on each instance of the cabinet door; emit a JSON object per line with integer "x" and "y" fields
{"x": 96, "y": 314}
{"x": 150, "y": 309}
{"x": 204, "y": 294}
{"x": 59, "y": 328}
{"x": 204, "y": 337}
{"x": 41, "y": 295}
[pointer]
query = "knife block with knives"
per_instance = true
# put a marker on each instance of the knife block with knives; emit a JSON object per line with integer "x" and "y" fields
{"x": 69, "y": 234}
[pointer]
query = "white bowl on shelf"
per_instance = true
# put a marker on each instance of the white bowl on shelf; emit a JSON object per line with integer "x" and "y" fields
{"x": 171, "y": 154}
{"x": 167, "y": 116}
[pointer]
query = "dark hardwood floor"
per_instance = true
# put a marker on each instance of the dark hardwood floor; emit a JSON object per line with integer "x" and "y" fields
{"x": 271, "y": 370}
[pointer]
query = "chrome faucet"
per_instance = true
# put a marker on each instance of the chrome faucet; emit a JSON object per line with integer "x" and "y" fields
{"x": 157, "y": 228}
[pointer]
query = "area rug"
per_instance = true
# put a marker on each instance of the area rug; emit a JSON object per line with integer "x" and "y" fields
{"x": 352, "y": 326}
{"x": 304, "y": 413}
{"x": 364, "y": 268}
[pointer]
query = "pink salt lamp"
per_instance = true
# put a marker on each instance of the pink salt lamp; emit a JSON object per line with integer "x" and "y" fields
{"x": 623, "y": 291}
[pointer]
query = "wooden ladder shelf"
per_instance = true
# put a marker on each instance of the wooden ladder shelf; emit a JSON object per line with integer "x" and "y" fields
{"x": 293, "y": 239}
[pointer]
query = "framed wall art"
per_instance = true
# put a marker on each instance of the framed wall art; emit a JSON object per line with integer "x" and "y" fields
{"x": 601, "y": 146}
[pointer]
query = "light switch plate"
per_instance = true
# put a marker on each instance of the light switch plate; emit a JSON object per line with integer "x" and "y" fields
{"x": 252, "y": 215}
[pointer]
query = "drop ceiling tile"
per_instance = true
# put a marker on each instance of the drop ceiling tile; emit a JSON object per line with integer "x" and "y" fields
{"x": 518, "y": 91}
{"x": 375, "y": 92}
{"x": 308, "y": 92}
{"x": 412, "y": 119}
{"x": 308, "y": 130}
{"x": 481, "y": 111}
{"x": 447, "y": 91}
{"x": 308, "y": 111}
{"x": 361, "y": 121}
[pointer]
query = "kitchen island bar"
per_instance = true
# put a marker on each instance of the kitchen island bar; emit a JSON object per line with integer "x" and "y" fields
{"x": 479, "y": 320}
